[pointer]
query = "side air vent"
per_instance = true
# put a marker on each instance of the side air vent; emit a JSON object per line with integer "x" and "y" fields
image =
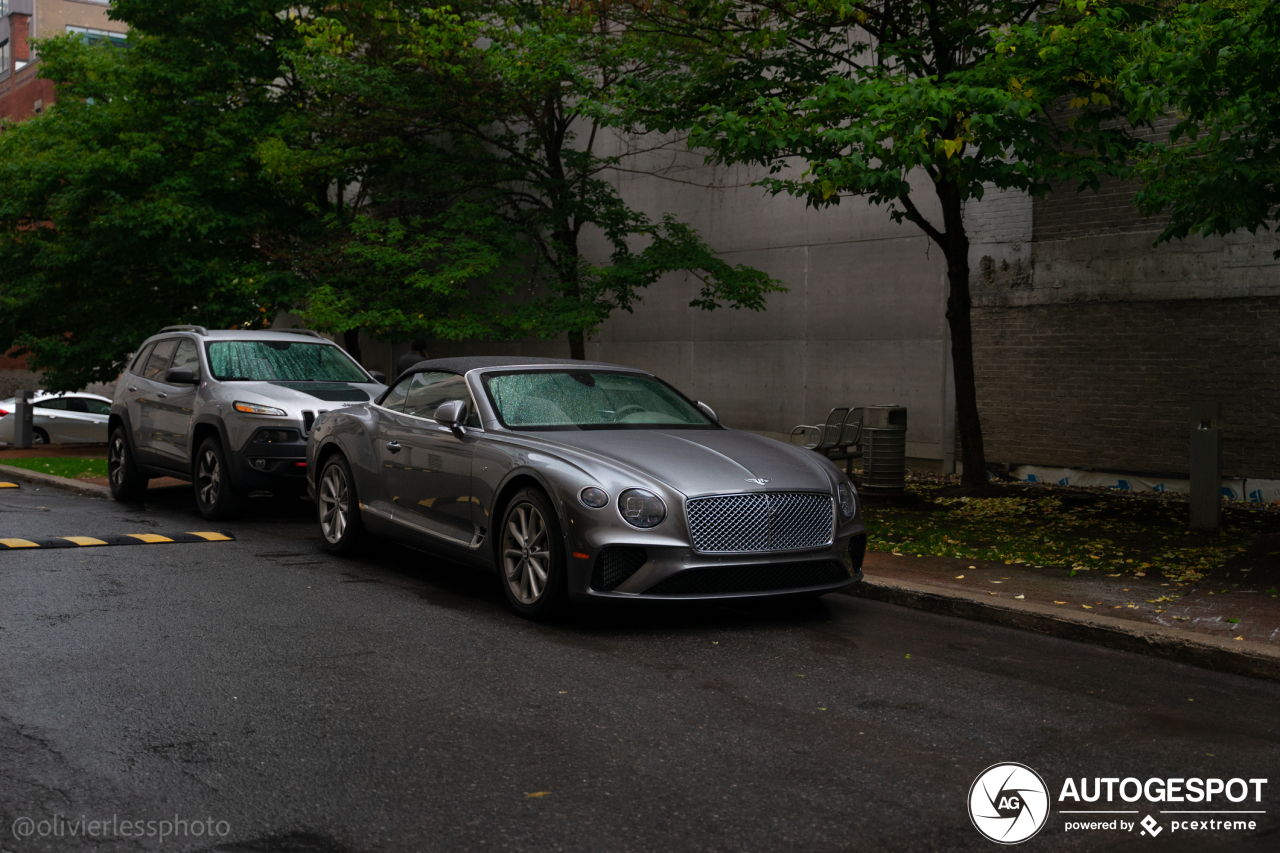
{"x": 614, "y": 565}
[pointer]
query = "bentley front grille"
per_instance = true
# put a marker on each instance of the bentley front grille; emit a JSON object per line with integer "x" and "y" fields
{"x": 775, "y": 521}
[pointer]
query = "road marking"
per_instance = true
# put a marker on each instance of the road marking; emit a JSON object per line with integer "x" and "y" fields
{"x": 121, "y": 539}
{"x": 10, "y": 486}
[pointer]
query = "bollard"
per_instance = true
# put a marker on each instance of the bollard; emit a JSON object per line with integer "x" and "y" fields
{"x": 22, "y": 417}
{"x": 1206, "y": 467}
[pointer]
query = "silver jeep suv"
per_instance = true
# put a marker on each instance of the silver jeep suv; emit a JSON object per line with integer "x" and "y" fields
{"x": 228, "y": 410}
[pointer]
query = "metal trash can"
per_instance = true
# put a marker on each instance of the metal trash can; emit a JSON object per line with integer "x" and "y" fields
{"x": 884, "y": 449}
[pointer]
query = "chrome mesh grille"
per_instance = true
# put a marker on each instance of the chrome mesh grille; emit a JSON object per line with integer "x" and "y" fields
{"x": 779, "y": 521}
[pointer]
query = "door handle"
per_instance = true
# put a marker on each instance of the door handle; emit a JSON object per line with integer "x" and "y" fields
{"x": 161, "y": 394}
{"x": 133, "y": 387}
{"x": 393, "y": 446}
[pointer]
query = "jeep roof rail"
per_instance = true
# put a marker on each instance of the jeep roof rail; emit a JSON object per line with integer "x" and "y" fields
{"x": 200, "y": 329}
{"x": 310, "y": 332}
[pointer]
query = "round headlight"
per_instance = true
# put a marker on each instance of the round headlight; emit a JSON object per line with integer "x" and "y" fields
{"x": 593, "y": 497}
{"x": 641, "y": 508}
{"x": 845, "y": 492}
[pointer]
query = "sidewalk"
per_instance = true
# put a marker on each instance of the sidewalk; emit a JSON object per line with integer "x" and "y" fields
{"x": 1233, "y": 613}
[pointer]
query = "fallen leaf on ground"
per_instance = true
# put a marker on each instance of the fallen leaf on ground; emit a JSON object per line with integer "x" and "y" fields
{"x": 1059, "y": 602}
{"x": 959, "y": 577}
{"x": 1020, "y": 597}
{"x": 1087, "y": 606}
{"x": 1239, "y": 638}
{"x": 537, "y": 794}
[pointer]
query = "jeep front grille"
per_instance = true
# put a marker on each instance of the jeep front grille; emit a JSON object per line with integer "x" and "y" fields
{"x": 774, "y": 521}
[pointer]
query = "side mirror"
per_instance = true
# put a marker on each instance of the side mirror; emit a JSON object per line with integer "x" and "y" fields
{"x": 180, "y": 376}
{"x": 450, "y": 414}
{"x": 707, "y": 410}
{"x": 378, "y": 376}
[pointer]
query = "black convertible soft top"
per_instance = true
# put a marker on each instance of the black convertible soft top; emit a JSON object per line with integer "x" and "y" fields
{"x": 462, "y": 364}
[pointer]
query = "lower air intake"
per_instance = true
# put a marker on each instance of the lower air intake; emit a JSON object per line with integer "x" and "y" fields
{"x": 614, "y": 565}
{"x": 762, "y": 578}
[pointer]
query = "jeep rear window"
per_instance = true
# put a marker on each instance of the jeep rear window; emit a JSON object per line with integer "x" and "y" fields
{"x": 281, "y": 361}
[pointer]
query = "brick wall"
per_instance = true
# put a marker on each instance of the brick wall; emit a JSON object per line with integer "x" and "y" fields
{"x": 1108, "y": 385}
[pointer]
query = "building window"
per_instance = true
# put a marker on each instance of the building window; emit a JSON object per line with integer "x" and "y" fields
{"x": 91, "y": 36}
{"x": 4, "y": 57}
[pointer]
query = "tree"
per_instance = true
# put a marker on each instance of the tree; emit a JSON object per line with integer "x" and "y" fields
{"x": 471, "y": 152}
{"x": 852, "y": 98}
{"x": 136, "y": 200}
{"x": 1213, "y": 65}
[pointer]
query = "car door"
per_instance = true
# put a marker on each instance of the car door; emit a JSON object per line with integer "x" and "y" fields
{"x": 77, "y": 424}
{"x": 429, "y": 465}
{"x": 50, "y": 414}
{"x": 149, "y": 390}
{"x": 173, "y": 408}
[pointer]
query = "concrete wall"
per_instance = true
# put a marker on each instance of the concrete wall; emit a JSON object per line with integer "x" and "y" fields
{"x": 862, "y": 322}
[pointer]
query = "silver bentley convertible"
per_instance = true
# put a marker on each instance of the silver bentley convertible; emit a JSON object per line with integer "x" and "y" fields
{"x": 577, "y": 481}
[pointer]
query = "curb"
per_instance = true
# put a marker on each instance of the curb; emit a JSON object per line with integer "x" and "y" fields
{"x": 1240, "y": 657}
{"x": 92, "y": 490}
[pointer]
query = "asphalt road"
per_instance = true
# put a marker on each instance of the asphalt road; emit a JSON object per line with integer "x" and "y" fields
{"x": 291, "y": 701}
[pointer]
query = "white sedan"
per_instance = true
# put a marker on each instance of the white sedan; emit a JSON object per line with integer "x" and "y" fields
{"x": 61, "y": 419}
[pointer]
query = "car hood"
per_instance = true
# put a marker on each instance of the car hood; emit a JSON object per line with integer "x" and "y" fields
{"x": 327, "y": 395}
{"x": 702, "y": 462}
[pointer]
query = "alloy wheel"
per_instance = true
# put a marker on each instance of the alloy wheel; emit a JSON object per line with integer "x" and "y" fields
{"x": 208, "y": 478}
{"x": 115, "y": 461}
{"x": 526, "y": 556}
{"x": 335, "y": 504}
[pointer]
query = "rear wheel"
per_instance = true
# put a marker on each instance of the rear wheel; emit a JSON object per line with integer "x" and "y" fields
{"x": 338, "y": 508}
{"x": 127, "y": 482}
{"x": 39, "y": 436}
{"x": 531, "y": 557}
{"x": 216, "y": 496}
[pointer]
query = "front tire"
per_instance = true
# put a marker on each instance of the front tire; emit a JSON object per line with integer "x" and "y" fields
{"x": 126, "y": 481}
{"x": 39, "y": 436}
{"x": 216, "y": 496}
{"x": 338, "y": 507}
{"x": 531, "y": 559}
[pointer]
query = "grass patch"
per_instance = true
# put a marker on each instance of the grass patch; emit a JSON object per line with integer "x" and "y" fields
{"x": 1041, "y": 526}
{"x": 73, "y": 467}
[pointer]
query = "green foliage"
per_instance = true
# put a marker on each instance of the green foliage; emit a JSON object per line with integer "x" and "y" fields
{"x": 468, "y": 141}
{"x": 135, "y": 201}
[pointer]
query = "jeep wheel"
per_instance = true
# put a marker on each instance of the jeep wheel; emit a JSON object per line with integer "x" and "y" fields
{"x": 127, "y": 482}
{"x": 216, "y": 496}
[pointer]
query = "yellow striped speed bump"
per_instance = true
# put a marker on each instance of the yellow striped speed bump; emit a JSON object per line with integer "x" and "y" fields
{"x": 13, "y": 544}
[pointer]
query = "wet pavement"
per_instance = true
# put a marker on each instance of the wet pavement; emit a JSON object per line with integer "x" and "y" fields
{"x": 286, "y": 700}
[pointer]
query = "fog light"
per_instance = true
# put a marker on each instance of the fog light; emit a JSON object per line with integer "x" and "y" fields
{"x": 260, "y": 464}
{"x": 641, "y": 508}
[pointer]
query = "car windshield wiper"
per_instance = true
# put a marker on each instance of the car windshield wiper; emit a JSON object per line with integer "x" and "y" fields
{"x": 235, "y": 379}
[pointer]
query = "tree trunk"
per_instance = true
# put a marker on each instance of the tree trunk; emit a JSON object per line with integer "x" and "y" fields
{"x": 972, "y": 453}
{"x": 577, "y": 346}
{"x": 351, "y": 343}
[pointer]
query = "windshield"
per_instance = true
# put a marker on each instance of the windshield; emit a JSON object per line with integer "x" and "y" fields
{"x": 582, "y": 399}
{"x": 282, "y": 361}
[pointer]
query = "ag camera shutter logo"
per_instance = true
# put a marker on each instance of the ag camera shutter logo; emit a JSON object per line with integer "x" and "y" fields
{"x": 1008, "y": 803}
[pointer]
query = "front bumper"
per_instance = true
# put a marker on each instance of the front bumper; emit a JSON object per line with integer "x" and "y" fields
{"x": 666, "y": 573}
{"x": 271, "y": 465}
